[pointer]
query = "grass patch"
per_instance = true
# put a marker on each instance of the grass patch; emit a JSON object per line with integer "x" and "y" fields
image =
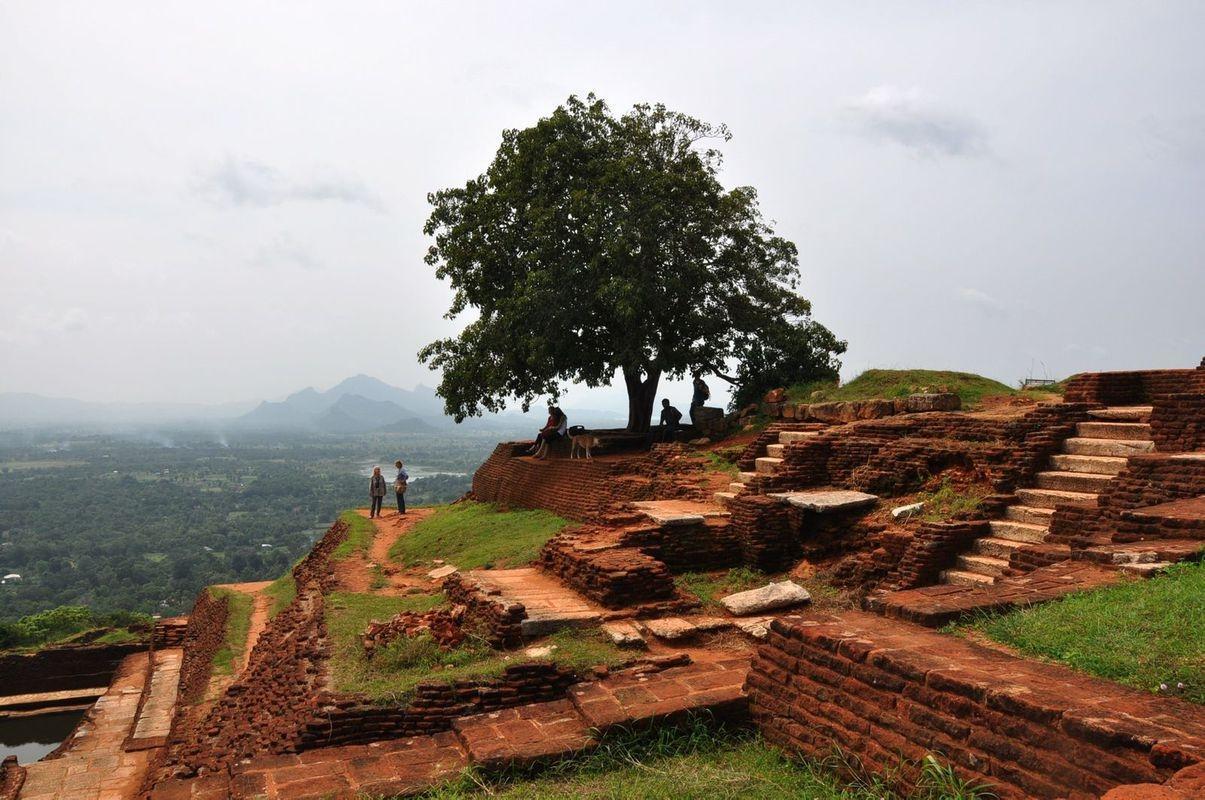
{"x": 238, "y": 624}
{"x": 391, "y": 675}
{"x": 118, "y": 636}
{"x": 709, "y": 587}
{"x": 360, "y": 531}
{"x": 889, "y": 383}
{"x": 281, "y": 591}
{"x": 717, "y": 463}
{"x": 474, "y": 535}
{"x": 947, "y": 501}
{"x": 1142, "y": 633}
{"x": 698, "y": 760}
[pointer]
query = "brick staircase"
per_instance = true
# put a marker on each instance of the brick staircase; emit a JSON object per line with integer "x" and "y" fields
{"x": 1089, "y": 461}
{"x": 766, "y": 464}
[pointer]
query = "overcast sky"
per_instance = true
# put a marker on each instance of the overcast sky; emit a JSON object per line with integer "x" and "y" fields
{"x": 218, "y": 201}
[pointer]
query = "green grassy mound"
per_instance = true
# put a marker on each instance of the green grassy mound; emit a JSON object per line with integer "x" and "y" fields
{"x": 475, "y": 535}
{"x": 360, "y": 531}
{"x": 1142, "y": 633}
{"x": 391, "y": 675}
{"x": 704, "y": 762}
{"x": 886, "y": 383}
{"x": 238, "y": 625}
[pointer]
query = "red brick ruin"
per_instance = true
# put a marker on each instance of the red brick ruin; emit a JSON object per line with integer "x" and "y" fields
{"x": 1107, "y": 485}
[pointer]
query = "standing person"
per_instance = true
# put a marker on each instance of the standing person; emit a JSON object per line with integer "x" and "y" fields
{"x": 700, "y": 396}
{"x": 670, "y": 419}
{"x": 399, "y": 486}
{"x": 376, "y": 490}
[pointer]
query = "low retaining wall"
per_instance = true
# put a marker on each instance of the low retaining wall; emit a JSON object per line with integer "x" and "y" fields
{"x": 351, "y": 720}
{"x": 582, "y": 490}
{"x": 55, "y": 669}
{"x": 502, "y": 621}
{"x": 204, "y": 636}
{"x": 886, "y": 691}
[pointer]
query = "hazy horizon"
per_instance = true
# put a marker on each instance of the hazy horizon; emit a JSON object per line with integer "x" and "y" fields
{"x": 224, "y": 203}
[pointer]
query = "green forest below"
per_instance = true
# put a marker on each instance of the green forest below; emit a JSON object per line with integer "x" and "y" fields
{"x": 143, "y": 522}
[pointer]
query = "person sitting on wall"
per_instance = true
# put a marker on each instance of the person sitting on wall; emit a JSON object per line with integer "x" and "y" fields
{"x": 559, "y": 424}
{"x": 670, "y": 419}
{"x": 701, "y": 394}
{"x": 549, "y": 425}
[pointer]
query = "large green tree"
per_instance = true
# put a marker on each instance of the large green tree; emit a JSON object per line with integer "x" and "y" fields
{"x": 596, "y": 244}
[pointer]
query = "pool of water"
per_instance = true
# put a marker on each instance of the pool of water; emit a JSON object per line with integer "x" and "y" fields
{"x": 30, "y": 738}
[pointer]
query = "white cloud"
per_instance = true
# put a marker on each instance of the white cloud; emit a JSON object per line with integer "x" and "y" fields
{"x": 982, "y": 300}
{"x": 910, "y": 119}
{"x": 243, "y": 182}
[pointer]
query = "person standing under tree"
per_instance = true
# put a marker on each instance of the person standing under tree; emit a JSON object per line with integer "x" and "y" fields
{"x": 399, "y": 486}
{"x": 376, "y": 490}
{"x": 700, "y": 396}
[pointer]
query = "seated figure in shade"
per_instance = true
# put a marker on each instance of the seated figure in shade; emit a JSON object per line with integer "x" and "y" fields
{"x": 671, "y": 418}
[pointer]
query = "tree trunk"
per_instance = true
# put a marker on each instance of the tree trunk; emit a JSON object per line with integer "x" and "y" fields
{"x": 642, "y": 393}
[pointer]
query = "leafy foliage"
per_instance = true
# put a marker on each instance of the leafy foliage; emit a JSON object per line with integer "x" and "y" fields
{"x": 62, "y": 623}
{"x": 801, "y": 352}
{"x": 597, "y": 243}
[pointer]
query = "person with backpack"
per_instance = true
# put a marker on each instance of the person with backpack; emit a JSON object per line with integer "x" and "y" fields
{"x": 701, "y": 394}
{"x": 399, "y": 486}
{"x": 376, "y": 490}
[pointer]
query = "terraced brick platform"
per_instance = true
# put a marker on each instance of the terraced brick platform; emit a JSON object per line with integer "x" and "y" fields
{"x": 497, "y": 740}
{"x": 888, "y": 691}
{"x": 934, "y": 606}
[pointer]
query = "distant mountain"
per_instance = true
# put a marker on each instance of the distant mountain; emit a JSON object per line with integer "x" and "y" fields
{"x": 359, "y": 404}
{"x": 25, "y": 410}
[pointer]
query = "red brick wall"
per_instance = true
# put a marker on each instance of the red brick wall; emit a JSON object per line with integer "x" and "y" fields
{"x": 1131, "y": 388}
{"x": 933, "y": 547}
{"x": 349, "y": 720}
{"x": 893, "y": 456}
{"x": 886, "y": 691}
{"x": 55, "y": 669}
{"x": 204, "y": 636}
{"x": 582, "y": 490}
{"x": 1147, "y": 480}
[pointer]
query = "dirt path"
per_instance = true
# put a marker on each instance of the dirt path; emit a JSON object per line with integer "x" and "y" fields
{"x": 259, "y": 621}
{"x": 359, "y": 572}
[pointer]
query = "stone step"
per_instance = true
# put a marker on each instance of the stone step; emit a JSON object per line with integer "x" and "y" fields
{"x": 775, "y": 450}
{"x": 1072, "y": 481}
{"x": 724, "y": 498}
{"x": 1079, "y": 446}
{"x": 1100, "y": 465}
{"x": 984, "y": 565}
{"x": 1021, "y": 532}
{"x": 1029, "y": 515}
{"x": 996, "y": 548}
{"x": 745, "y": 477}
{"x": 1114, "y": 430}
{"x": 1123, "y": 413}
{"x": 962, "y": 578}
{"x": 767, "y": 465}
{"x": 736, "y": 487}
{"x": 786, "y": 437}
{"x": 1049, "y": 498}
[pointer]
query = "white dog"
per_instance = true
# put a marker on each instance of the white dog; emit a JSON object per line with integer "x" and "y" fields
{"x": 584, "y": 442}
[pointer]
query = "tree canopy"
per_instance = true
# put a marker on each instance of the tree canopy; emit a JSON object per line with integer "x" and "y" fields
{"x": 596, "y": 244}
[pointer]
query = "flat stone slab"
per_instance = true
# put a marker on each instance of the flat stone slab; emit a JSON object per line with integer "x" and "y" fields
{"x": 827, "y": 502}
{"x": 679, "y": 512}
{"x": 907, "y": 511}
{"x": 624, "y": 634}
{"x": 770, "y": 597}
{"x": 439, "y": 573}
{"x": 670, "y": 628}
{"x": 757, "y": 627}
